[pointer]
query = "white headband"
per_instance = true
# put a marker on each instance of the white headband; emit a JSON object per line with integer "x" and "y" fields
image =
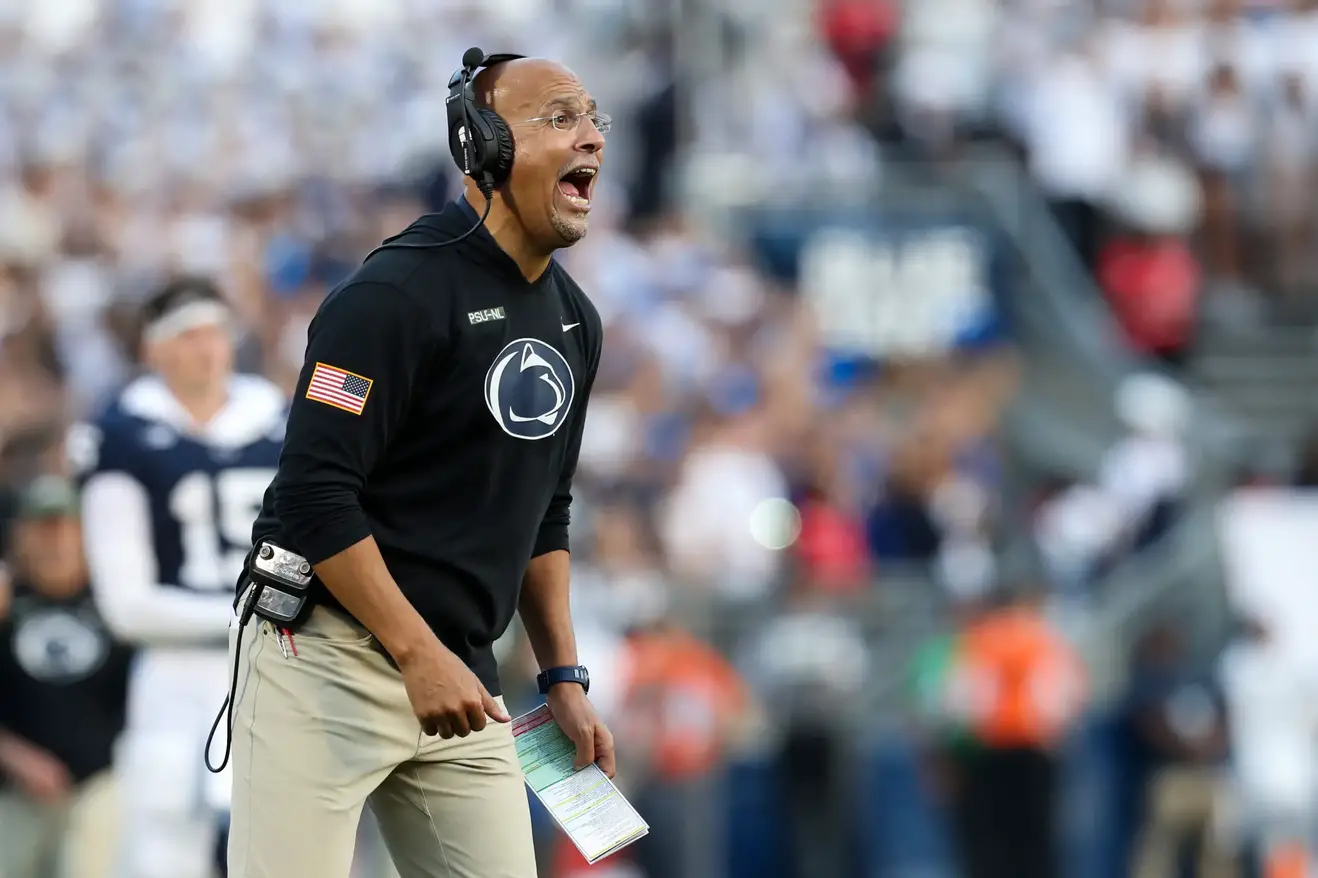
{"x": 206, "y": 312}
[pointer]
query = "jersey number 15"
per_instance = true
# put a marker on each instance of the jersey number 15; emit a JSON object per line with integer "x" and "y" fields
{"x": 215, "y": 515}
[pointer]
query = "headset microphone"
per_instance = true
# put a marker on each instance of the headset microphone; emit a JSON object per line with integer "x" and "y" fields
{"x": 478, "y": 138}
{"x": 473, "y": 58}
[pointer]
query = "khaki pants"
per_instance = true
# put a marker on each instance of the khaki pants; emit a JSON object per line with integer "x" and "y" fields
{"x": 74, "y": 839}
{"x": 319, "y": 733}
{"x": 1183, "y": 801}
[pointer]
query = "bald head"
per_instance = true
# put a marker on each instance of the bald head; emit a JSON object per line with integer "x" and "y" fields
{"x": 514, "y": 86}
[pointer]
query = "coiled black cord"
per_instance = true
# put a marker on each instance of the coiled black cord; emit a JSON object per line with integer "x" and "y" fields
{"x": 226, "y": 709}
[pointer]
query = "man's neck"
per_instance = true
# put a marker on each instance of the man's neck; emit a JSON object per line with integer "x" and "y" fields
{"x": 202, "y": 407}
{"x": 509, "y": 233}
{"x": 63, "y": 586}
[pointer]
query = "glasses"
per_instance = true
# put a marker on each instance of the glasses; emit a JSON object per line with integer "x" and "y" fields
{"x": 565, "y": 120}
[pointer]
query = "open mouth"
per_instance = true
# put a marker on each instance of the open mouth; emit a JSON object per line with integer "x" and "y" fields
{"x": 576, "y": 186}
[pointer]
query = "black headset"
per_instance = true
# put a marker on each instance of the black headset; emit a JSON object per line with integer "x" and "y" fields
{"x": 478, "y": 139}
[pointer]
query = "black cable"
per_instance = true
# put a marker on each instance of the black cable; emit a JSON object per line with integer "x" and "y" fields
{"x": 226, "y": 709}
{"x": 487, "y": 189}
{"x": 486, "y": 181}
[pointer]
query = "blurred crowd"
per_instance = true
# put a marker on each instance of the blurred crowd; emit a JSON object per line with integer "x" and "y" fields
{"x": 1184, "y": 168}
{"x": 1173, "y": 139}
{"x": 747, "y": 494}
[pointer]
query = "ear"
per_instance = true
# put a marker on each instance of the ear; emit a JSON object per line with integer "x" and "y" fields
{"x": 151, "y": 354}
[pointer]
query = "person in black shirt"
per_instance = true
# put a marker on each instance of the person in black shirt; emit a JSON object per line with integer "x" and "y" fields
{"x": 63, "y": 693}
{"x": 426, "y": 476}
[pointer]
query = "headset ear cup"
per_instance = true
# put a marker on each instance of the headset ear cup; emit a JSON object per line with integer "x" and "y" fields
{"x": 455, "y": 146}
{"x": 479, "y": 150}
{"x": 500, "y": 164}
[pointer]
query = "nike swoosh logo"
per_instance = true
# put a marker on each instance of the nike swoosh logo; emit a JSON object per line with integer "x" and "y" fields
{"x": 567, "y": 326}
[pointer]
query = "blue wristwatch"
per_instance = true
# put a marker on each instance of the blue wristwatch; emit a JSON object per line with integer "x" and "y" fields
{"x": 554, "y": 676}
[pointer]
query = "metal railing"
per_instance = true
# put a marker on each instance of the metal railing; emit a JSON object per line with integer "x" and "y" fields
{"x": 1063, "y": 317}
{"x": 895, "y": 615}
{"x": 1075, "y": 344}
{"x": 1064, "y": 419}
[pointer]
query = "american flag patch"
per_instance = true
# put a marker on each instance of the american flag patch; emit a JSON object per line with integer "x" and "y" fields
{"x": 339, "y": 388}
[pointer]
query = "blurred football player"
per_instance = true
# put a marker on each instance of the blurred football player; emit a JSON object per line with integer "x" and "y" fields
{"x": 174, "y": 471}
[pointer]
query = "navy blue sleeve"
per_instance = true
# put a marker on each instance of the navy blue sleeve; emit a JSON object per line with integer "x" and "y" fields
{"x": 95, "y": 446}
{"x": 365, "y": 348}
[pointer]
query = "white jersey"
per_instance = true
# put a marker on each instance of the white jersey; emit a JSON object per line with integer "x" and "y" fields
{"x": 167, "y": 514}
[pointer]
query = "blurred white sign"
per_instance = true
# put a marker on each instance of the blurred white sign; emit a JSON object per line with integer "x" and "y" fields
{"x": 910, "y": 295}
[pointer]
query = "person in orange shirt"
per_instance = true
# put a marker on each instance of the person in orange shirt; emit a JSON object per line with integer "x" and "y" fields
{"x": 682, "y": 705}
{"x": 1019, "y": 688}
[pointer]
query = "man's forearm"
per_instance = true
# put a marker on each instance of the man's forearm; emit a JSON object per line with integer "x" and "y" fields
{"x": 546, "y": 611}
{"x": 359, "y": 579}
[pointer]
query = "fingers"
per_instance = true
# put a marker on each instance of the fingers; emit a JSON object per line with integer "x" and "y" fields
{"x": 461, "y": 720}
{"x": 446, "y": 726}
{"x": 487, "y": 706}
{"x": 585, "y": 739}
{"x": 492, "y": 708}
{"x": 475, "y": 716}
{"x": 604, "y": 749}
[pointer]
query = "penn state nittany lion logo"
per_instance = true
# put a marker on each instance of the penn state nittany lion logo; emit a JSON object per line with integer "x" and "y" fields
{"x": 59, "y": 647}
{"x": 529, "y": 389}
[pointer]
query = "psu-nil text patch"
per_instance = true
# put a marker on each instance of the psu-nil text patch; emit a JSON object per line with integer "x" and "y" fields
{"x": 486, "y": 316}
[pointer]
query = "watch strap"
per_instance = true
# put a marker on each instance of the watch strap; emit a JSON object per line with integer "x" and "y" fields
{"x": 569, "y": 674}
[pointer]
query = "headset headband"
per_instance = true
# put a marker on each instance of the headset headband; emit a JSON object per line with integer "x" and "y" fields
{"x": 501, "y": 58}
{"x": 475, "y": 60}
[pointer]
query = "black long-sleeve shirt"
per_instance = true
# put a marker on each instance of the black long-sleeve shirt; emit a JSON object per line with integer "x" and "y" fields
{"x": 63, "y": 680}
{"x": 440, "y": 409}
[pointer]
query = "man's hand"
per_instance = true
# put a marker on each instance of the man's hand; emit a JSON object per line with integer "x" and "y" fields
{"x": 37, "y": 772}
{"x": 575, "y": 715}
{"x": 445, "y": 695}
